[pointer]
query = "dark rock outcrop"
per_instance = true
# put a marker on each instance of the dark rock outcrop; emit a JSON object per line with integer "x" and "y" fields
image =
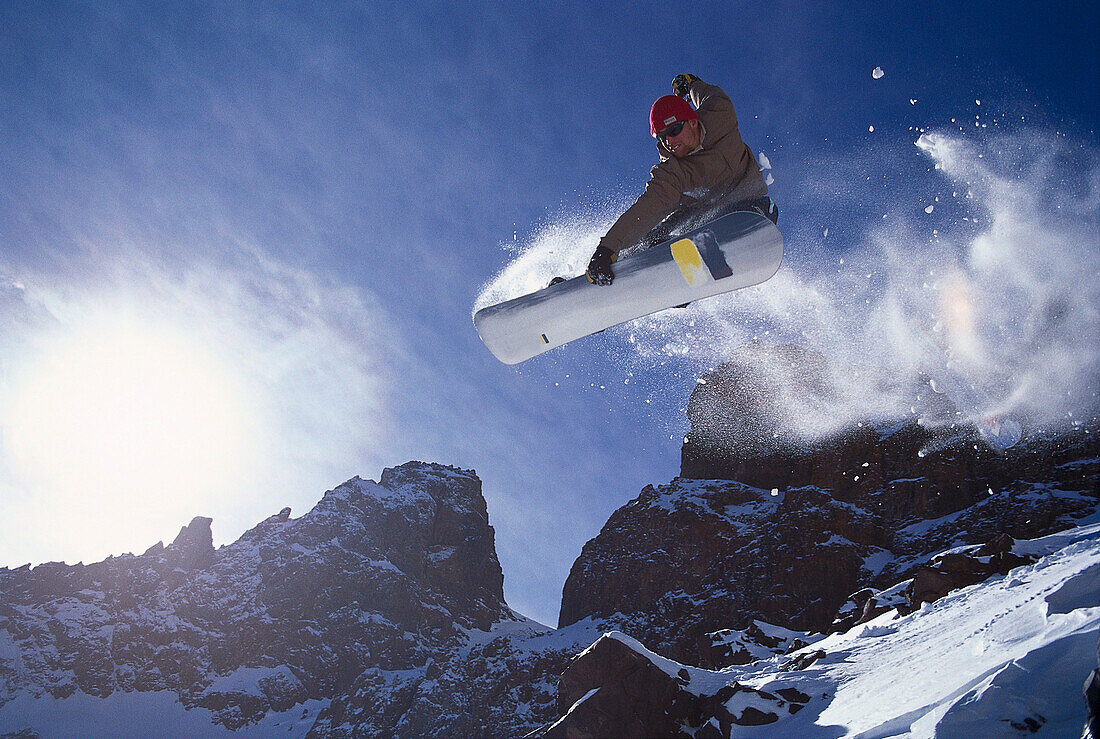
{"x": 716, "y": 554}
{"x": 766, "y": 525}
{"x": 927, "y": 463}
{"x": 954, "y": 570}
{"x": 758, "y": 641}
{"x": 618, "y": 688}
{"x": 611, "y": 690}
{"x": 193, "y": 547}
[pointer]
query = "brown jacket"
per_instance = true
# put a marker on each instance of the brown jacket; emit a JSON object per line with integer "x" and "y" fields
{"x": 722, "y": 165}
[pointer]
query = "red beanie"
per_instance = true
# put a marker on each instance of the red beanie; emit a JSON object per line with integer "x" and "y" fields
{"x": 668, "y": 110}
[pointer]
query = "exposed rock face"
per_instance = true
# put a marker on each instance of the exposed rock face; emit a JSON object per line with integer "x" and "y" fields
{"x": 193, "y": 547}
{"x": 922, "y": 470}
{"x": 771, "y": 528}
{"x": 379, "y": 580}
{"x": 954, "y": 570}
{"x": 629, "y": 686}
{"x": 502, "y": 686}
{"x": 619, "y": 688}
{"x": 718, "y": 554}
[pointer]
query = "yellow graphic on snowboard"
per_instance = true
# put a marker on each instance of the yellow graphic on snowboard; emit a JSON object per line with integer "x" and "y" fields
{"x": 690, "y": 262}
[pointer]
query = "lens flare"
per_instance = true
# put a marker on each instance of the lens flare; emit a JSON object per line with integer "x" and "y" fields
{"x": 129, "y": 426}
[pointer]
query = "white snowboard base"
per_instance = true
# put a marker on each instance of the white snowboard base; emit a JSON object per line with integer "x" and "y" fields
{"x": 735, "y": 251}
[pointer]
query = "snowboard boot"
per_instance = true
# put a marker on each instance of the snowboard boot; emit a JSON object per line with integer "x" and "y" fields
{"x": 766, "y": 207}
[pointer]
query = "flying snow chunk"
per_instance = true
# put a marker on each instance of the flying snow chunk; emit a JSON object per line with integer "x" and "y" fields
{"x": 877, "y": 73}
{"x": 929, "y": 209}
{"x": 765, "y": 163}
{"x": 871, "y": 129}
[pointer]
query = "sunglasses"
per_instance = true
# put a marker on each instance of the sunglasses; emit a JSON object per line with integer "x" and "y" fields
{"x": 671, "y": 132}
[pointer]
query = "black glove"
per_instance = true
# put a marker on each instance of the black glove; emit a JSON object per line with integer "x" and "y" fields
{"x": 599, "y": 269}
{"x": 682, "y": 84}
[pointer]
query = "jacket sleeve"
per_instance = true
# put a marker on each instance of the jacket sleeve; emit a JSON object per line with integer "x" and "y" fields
{"x": 661, "y": 196}
{"x": 713, "y": 102}
{"x": 704, "y": 95}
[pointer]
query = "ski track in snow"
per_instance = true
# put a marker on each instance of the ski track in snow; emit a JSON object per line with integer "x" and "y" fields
{"x": 1012, "y": 648}
{"x": 1000, "y": 658}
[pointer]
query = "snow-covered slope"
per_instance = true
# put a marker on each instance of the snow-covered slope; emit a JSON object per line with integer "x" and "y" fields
{"x": 1002, "y": 658}
{"x": 994, "y": 658}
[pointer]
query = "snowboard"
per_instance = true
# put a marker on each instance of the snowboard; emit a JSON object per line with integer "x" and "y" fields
{"x": 731, "y": 252}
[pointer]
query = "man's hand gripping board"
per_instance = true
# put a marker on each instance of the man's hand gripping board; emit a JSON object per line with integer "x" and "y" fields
{"x": 732, "y": 252}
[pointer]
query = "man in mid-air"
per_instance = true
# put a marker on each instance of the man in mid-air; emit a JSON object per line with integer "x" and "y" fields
{"x": 705, "y": 170}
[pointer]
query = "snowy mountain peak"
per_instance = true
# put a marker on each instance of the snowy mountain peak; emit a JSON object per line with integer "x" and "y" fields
{"x": 194, "y": 545}
{"x": 291, "y": 612}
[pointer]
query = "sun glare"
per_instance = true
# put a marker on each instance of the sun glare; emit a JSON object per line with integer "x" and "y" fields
{"x": 128, "y": 430}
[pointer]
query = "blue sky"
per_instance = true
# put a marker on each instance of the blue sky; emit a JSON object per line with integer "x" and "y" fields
{"x": 308, "y": 201}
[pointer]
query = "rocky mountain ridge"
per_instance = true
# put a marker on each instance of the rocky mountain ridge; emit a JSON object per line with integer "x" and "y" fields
{"x": 377, "y": 588}
{"x": 381, "y": 611}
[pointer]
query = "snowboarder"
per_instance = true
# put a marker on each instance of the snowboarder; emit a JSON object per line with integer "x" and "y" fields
{"x": 705, "y": 170}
